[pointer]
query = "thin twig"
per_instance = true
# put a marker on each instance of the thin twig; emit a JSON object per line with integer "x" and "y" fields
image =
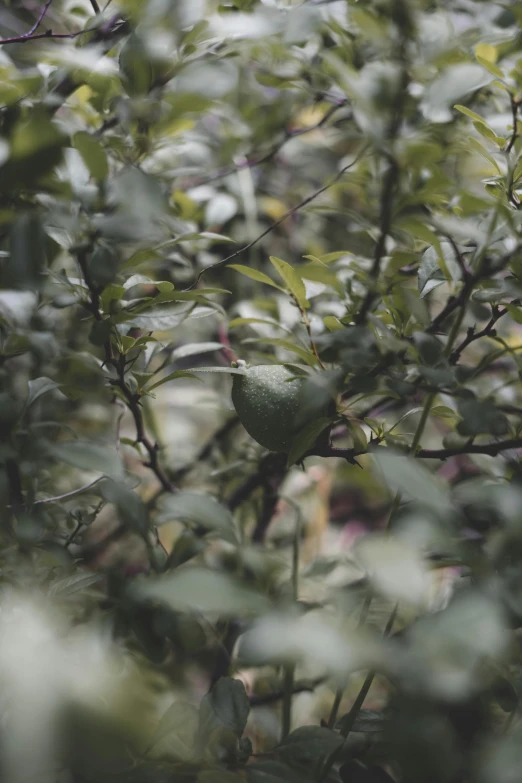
{"x": 472, "y": 335}
{"x": 278, "y": 222}
{"x": 36, "y": 25}
{"x": 67, "y": 495}
{"x": 455, "y": 302}
{"x": 48, "y": 34}
{"x": 95, "y": 6}
{"x": 514, "y": 134}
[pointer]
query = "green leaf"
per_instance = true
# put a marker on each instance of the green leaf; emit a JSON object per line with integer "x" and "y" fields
{"x": 489, "y": 66}
{"x": 396, "y": 571}
{"x": 404, "y": 475}
{"x": 100, "y": 332}
{"x": 74, "y": 584}
{"x": 93, "y": 155}
{"x": 254, "y": 274}
{"x": 131, "y": 508}
{"x": 308, "y": 743}
{"x": 515, "y": 312}
{"x": 172, "y": 377}
{"x": 304, "y": 353}
{"x": 366, "y": 722}
{"x": 200, "y": 510}
{"x": 306, "y": 439}
{"x": 443, "y": 412}
{"x": 201, "y": 590}
{"x": 272, "y": 772}
{"x": 292, "y": 280}
{"x": 89, "y": 456}
{"x": 38, "y": 387}
{"x": 227, "y": 704}
{"x": 471, "y": 114}
{"x": 36, "y": 147}
{"x": 176, "y": 732}
{"x": 478, "y": 147}
{"x": 135, "y": 67}
{"x": 27, "y": 256}
{"x": 225, "y": 370}
{"x": 191, "y": 349}
{"x": 235, "y": 322}
{"x": 437, "y": 267}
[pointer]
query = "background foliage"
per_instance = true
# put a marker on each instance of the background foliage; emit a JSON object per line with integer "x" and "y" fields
{"x": 333, "y": 186}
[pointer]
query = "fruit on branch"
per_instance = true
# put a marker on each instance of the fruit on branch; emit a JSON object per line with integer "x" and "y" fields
{"x": 274, "y": 406}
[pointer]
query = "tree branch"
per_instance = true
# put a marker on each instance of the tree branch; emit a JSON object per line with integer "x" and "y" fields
{"x": 490, "y": 449}
{"x": 67, "y": 495}
{"x": 472, "y": 335}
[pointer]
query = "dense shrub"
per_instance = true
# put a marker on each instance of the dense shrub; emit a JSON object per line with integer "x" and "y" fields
{"x": 332, "y": 187}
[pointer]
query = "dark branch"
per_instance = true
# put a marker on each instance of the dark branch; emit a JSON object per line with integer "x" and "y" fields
{"x": 514, "y": 133}
{"x": 490, "y": 449}
{"x": 472, "y": 335}
{"x": 470, "y": 282}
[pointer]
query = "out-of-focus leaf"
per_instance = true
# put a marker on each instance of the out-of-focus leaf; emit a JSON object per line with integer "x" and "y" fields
{"x": 312, "y": 638}
{"x": 93, "y": 155}
{"x": 201, "y": 590}
{"x": 131, "y": 508}
{"x": 406, "y": 476}
{"x": 200, "y": 510}
{"x": 366, "y": 722}
{"x": 38, "y": 387}
{"x": 89, "y": 456}
{"x": 220, "y": 209}
{"x": 190, "y": 349}
{"x": 306, "y": 439}
{"x": 307, "y": 743}
{"x": 27, "y": 257}
{"x": 272, "y": 772}
{"x": 395, "y": 570}
{"x": 176, "y": 732}
{"x": 226, "y": 705}
{"x": 36, "y": 148}
{"x": 172, "y": 377}
{"x": 453, "y": 83}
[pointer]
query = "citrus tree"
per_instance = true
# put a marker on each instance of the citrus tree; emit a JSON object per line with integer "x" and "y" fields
{"x": 260, "y": 405}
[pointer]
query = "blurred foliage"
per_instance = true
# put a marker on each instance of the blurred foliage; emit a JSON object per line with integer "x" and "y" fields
{"x": 332, "y": 186}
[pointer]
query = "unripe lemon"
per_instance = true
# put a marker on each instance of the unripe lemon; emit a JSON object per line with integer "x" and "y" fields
{"x": 268, "y": 403}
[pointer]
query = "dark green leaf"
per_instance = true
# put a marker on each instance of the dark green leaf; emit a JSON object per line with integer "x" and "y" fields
{"x": 226, "y": 705}
{"x": 93, "y": 155}
{"x": 200, "y": 510}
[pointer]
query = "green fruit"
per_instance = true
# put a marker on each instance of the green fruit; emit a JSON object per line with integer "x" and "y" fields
{"x": 268, "y": 404}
